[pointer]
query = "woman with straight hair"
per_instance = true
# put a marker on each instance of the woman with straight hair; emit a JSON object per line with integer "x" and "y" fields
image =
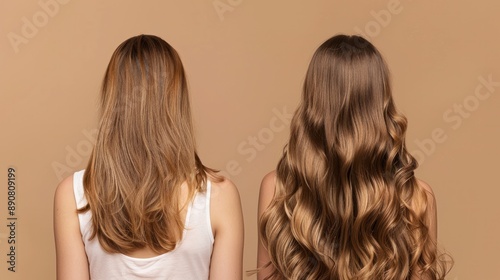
{"x": 146, "y": 207}
{"x": 344, "y": 202}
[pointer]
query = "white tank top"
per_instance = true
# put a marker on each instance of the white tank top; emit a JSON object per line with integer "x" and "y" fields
{"x": 189, "y": 260}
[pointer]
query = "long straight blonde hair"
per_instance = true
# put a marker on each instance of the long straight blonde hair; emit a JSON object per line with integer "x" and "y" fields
{"x": 347, "y": 204}
{"x": 145, "y": 150}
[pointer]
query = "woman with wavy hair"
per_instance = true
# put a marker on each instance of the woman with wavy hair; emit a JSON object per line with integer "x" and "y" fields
{"x": 146, "y": 207}
{"x": 343, "y": 202}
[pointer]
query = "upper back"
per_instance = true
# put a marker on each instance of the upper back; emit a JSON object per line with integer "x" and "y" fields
{"x": 189, "y": 260}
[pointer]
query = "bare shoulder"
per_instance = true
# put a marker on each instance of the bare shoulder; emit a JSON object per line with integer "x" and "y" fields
{"x": 267, "y": 187}
{"x": 431, "y": 198}
{"x": 225, "y": 189}
{"x": 225, "y": 211}
{"x": 228, "y": 231}
{"x": 71, "y": 260}
{"x": 425, "y": 186}
{"x": 64, "y": 193}
{"x": 269, "y": 180}
{"x": 224, "y": 196}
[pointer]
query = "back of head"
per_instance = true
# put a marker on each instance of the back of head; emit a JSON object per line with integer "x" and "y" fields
{"x": 145, "y": 149}
{"x": 145, "y": 101}
{"x": 347, "y": 105}
{"x": 347, "y": 204}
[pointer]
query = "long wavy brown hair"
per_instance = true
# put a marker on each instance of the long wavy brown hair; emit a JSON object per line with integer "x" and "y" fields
{"x": 144, "y": 151}
{"x": 347, "y": 204}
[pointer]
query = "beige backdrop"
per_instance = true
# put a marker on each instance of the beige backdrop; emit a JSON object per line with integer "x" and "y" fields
{"x": 246, "y": 62}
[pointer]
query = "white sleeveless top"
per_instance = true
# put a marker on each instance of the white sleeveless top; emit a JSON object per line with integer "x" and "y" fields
{"x": 190, "y": 260}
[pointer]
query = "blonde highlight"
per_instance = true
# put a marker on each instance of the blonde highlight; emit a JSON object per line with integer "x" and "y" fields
{"x": 347, "y": 204}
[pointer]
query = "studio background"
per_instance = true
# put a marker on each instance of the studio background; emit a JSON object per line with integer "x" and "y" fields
{"x": 245, "y": 62}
